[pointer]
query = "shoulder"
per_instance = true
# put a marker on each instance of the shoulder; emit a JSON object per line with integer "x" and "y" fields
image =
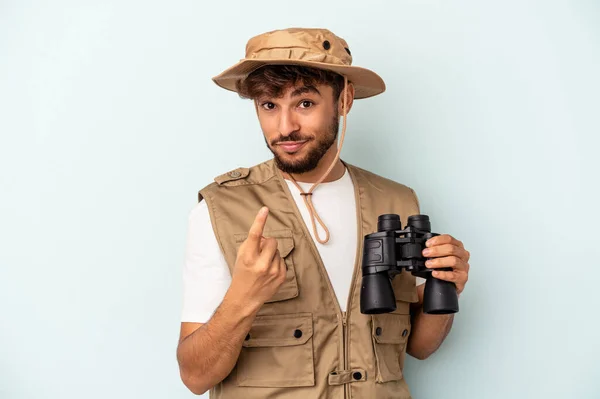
{"x": 241, "y": 176}
{"x": 382, "y": 183}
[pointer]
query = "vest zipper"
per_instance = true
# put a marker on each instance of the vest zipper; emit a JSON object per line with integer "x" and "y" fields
{"x": 345, "y": 353}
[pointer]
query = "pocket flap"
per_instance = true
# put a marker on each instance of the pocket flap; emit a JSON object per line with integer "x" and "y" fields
{"x": 280, "y": 330}
{"x": 391, "y": 328}
{"x": 284, "y": 237}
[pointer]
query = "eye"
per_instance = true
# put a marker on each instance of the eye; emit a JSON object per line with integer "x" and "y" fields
{"x": 306, "y": 104}
{"x": 268, "y": 106}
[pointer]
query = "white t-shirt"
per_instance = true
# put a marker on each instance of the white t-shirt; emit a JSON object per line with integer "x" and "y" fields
{"x": 206, "y": 276}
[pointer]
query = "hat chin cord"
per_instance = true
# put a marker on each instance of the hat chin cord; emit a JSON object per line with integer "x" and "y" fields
{"x": 307, "y": 195}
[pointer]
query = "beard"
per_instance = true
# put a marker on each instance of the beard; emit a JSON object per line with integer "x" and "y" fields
{"x": 324, "y": 141}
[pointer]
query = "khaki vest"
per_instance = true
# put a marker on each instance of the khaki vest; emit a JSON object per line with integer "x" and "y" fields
{"x": 301, "y": 345}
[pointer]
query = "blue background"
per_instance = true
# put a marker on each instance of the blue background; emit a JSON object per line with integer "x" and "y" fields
{"x": 110, "y": 124}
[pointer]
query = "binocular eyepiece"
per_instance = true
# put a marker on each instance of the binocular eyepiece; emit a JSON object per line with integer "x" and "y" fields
{"x": 392, "y": 249}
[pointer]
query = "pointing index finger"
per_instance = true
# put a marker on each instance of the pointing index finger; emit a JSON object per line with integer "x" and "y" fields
{"x": 256, "y": 230}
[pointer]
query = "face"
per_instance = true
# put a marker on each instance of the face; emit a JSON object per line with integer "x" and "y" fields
{"x": 300, "y": 126}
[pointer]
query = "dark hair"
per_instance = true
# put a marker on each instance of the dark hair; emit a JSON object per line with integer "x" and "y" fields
{"x": 272, "y": 80}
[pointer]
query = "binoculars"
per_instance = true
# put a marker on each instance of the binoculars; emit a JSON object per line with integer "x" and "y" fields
{"x": 392, "y": 249}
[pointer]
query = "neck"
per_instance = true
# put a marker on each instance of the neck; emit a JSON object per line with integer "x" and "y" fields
{"x": 314, "y": 175}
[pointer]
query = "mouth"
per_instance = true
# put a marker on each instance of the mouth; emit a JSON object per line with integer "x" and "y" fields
{"x": 291, "y": 146}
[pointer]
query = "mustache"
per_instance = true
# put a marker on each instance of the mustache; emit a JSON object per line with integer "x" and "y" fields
{"x": 294, "y": 136}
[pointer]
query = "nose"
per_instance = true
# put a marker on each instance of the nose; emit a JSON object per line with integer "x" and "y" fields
{"x": 287, "y": 123}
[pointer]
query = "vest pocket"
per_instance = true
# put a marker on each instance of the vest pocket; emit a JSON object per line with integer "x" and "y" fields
{"x": 277, "y": 352}
{"x": 285, "y": 245}
{"x": 390, "y": 334}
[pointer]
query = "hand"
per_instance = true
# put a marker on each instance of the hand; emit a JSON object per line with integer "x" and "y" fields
{"x": 259, "y": 269}
{"x": 449, "y": 252}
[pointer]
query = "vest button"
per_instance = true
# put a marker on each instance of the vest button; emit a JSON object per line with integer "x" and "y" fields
{"x": 297, "y": 333}
{"x": 357, "y": 376}
{"x": 235, "y": 174}
{"x": 247, "y": 337}
{"x": 404, "y": 333}
{"x": 378, "y": 331}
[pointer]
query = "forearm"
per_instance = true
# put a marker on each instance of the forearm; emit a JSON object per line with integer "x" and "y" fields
{"x": 209, "y": 354}
{"x": 428, "y": 333}
{"x": 428, "y": 330}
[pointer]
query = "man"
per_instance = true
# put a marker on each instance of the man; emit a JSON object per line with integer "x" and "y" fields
{"x": 272, "y": 276}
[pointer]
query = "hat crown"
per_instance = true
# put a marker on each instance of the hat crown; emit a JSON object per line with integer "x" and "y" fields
{"x": 319, "y": 45}
{"x": 308, "y": 47}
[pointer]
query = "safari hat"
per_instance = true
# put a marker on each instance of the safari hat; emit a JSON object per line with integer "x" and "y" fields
{"x": 317, "y": 48}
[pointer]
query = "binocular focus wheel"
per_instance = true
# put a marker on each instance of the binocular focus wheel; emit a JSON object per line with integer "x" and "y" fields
{"x": 412, "y": 251}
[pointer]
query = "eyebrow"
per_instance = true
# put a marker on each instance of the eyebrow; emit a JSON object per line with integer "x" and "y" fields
{"x": 305, "y": 89}
{"x": 298, "y": 92}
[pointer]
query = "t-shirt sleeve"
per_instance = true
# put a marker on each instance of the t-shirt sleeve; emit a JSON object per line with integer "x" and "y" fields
{"x": 206, "y": 276}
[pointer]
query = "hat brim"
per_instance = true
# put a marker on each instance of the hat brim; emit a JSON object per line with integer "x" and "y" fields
{"x": 366, "y": 82}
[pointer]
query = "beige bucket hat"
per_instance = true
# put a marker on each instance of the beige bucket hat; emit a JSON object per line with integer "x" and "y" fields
{"x": 318, "y": 48}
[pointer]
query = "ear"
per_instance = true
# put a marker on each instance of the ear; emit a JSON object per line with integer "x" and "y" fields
{"x": 349, "y": 99}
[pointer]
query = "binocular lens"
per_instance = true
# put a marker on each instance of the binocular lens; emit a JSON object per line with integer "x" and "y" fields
{"x": 376, "y": 294}
{"x": 388, "y": 222}
{"x": 440, "y": 297}
{"x": 420, "y": 222}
